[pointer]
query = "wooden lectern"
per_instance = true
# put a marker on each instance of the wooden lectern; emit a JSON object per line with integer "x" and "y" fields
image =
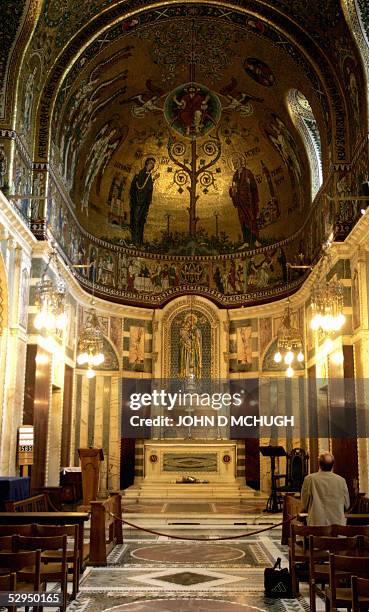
{"x": 90, "y": 466}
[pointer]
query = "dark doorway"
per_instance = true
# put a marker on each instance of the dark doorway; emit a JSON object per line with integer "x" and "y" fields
{"x": 127, "y": 462}
{"x": 36, "y": 408}
{"x": 252, "y": 463}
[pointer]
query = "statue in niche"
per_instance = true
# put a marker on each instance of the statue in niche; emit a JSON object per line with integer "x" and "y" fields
{"x": 190, "y": 348}
{"x": 245, "y": 197}
{"x": 140, "y": 199}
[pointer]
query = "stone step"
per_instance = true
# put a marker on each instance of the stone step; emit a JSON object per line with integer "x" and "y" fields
{"x": 203, "y": 522}
{"x": 191, "y": 491}
{"x": 203, "y": 485}
{"x": 186, "y": 488}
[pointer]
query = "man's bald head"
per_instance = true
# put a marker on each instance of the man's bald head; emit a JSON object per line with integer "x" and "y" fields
{"x": 326, "y": 461}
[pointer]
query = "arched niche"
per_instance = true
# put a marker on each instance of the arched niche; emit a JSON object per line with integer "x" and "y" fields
{"x": 207, "y": 322}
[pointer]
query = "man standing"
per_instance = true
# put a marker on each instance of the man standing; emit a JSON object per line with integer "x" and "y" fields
{"x": 245, "y": 198}
{"x": 140, "y": 199}
{"x": 324, "y": 495}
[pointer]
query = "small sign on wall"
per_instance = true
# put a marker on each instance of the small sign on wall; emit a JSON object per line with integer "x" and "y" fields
{"x": 25, "y": 445}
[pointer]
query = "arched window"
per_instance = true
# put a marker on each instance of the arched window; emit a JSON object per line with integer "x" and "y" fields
{"x": 305, "y": 122}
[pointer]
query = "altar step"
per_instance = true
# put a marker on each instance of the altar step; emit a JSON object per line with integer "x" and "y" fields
{"x": 201, "y": 522}
{"x": 210, "y": 491}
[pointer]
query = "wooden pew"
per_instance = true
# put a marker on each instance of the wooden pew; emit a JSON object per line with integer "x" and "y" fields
{"x": 50, "y": 518}
{"x": 357, "y": 515}
{"x": 360, "y": 505}
{"x": 105, "y": 531}
{"x": 291, "y": 508}
{"x": 35, "y": 503}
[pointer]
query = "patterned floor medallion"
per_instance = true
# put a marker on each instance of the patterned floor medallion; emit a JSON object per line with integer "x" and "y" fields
{"x": 188, "y": 552}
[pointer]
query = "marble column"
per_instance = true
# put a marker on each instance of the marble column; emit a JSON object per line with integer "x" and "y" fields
{"x": 360, "y": 263}
{"x": 14, "y": 344}
{"x": 114, "y": 434}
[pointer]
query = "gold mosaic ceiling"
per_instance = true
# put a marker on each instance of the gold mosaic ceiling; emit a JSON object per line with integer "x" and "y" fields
{"x": 128, "y": 104}
{"x": 120, "y": 73}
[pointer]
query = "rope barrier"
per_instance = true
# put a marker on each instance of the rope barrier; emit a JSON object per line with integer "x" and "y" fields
{"x": 174, "y": 537}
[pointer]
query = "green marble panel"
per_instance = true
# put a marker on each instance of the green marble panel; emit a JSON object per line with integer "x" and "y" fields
{"x": 186, "y": 462}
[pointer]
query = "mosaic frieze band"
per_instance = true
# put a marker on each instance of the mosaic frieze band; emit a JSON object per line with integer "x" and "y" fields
{"x": 131, "y": 275}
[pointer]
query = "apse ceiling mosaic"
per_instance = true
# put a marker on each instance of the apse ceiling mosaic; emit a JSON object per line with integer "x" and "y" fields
{"x": 185, "y": 131}
{"x": 228, "y": 164}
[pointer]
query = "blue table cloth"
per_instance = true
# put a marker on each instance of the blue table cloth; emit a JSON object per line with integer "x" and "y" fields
{"x": 13, "y": 488}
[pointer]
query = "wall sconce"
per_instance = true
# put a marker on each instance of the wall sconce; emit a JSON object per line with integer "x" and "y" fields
{"x": 289, "y": 343}
{"x": 90, "y": 343}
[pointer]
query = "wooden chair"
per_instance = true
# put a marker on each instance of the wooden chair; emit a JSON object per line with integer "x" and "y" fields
{"x": 366, "y": 545}
{"x": 72, "y": 555}
{"x": 18, "y": 562}
{"x": 362, "y": 532}
{"x": 319, "y": 550}
{"x": 298, "y": 553}
{"x": 54, "y": 494}
{"x": 350, "y": 531}
{"x": 360, "y": 594}
{"x": 8, "y": 582}
{"x": 6, "y": 543}
{"x": 26, "y": 530}
{"x": 343, "y": 568}
{"x": 51, "y": 571}
{"x": 297, "y": 467}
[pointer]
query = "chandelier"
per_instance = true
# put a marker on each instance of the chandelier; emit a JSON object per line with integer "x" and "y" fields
{"x": 327, "y": 297}
{"x": 50, "y": 299}
{"x": 327, "y": 307}
{"x": 289, "y": 343}
{"x": 90, "y": 343}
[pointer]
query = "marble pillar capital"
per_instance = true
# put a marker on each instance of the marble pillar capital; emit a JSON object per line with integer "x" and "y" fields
{"x": 4, "y": 234}
{"x": 12, "y": 244}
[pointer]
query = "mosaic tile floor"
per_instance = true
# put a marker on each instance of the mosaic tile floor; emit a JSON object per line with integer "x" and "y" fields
{"x": 158, "y": 574}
